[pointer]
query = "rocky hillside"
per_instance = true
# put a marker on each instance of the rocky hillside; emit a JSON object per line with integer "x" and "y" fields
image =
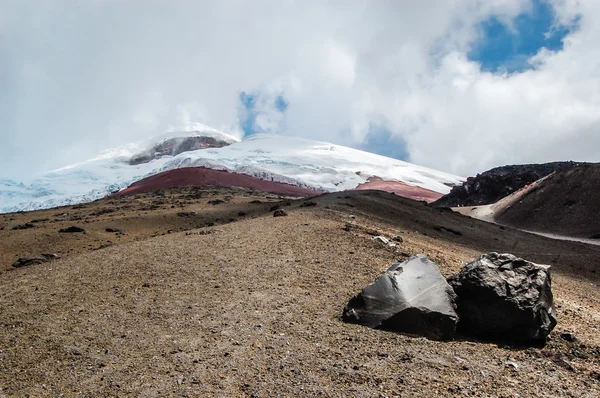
{"x": 202, "y": 292}
{"x": 497, "y": 183}
{"x": 566, "y": 203}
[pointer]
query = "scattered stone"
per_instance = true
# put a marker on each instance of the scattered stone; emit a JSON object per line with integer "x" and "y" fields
{"x": 505, "y": 298}
{"x": 187, "y": 213}
{"x": 114, "y": 230}
{"x": 71, "y": 229}
{"x": 242, "y": 214}
{"x": 450, "y": 230}
{"x": 23, "y": 226}
{"x": 25, "y": 261}
{"x": 255, "y": 202}
{"x": 384, "y": 240}
{"x": 411, "y": 297}
{"x": 511, "y": 364}
{"x": 215, "y": 202}
{"x": 381, "y": 239}
{"x": 398, "y": 239}
{"x": 569, "y": 337}
{"x": 309, "y": 203}
{"x": 280, "y": 213}
{"x": 50, "y": 256}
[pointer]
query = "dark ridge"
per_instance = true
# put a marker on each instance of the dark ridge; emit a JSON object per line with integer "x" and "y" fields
{"x": 566, "y": 203}
{"x": 497, "y": 183}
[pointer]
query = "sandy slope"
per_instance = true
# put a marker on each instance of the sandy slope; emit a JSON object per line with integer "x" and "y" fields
{"x": 251, "y": 308}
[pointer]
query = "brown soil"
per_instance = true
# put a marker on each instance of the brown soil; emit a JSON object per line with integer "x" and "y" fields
{"x": 400, "y": 189}
{"x": 251, "y": 307}
{"x": 565, "y": 203}
{"x": 199, "y": 176}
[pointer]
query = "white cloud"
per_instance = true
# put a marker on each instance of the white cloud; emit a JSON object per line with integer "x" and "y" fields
{"x": 80, "y": 78}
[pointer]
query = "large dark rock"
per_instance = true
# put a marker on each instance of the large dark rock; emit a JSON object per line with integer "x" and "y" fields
{"x": 504, "y": 298}
{"x": 411, "y": 297}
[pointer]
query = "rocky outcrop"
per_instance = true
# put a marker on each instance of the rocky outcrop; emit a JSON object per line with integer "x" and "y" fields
{"x": 565, "y": 204}
{"x": 495, "y": 184}
{"x": 175, "y": 146}
{"x": 504, "y": 298}
{"x": 411, "y": 297}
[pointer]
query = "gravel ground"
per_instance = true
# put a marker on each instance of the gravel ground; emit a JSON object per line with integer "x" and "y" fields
{"x": 252, "y": 307}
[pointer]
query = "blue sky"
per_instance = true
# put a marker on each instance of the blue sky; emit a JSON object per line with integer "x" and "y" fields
{"x": 505, "y": 47}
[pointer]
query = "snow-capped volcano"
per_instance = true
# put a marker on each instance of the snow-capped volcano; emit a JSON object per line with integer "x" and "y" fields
{"x": 310, "y": 164}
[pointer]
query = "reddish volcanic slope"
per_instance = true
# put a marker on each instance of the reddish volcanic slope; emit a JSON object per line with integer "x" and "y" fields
{"x": 203, "y": 176}
{"x": 400, "y": 189}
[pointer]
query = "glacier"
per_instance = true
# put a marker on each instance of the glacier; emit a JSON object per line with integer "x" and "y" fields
{"x": 306, "y": 163}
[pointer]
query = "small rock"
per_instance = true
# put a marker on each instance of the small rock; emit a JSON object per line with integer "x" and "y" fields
{"x": 398, "y": 239}
{"x": 71, "y": 229}
{"x": 187, "y": 213}
{"x": 569, "y": 337}
{"x": 23, "y": 226}
{"x": 279, "y": 213}
{"x": 511, "y": 364}
{"x": 310, "y": 203}
{"x": 113, "y": 230}
{"x": 381, "y": 239}
{"x": 25, "y": 261}
{"x": 50, "y": 256}
{"x": 42, "y": 258}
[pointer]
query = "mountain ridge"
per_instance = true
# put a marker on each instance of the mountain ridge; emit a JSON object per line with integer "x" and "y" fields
{"x": 314, "y": 165}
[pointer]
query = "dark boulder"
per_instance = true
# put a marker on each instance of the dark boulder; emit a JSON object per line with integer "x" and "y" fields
{"x": 504, "y": 298}
{"x": 411, "y": 297}
{"x": 280, "y": 213}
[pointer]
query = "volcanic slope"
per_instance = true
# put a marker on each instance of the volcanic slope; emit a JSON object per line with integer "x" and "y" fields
{"x": 493, "y": 185}
{"x": 566, "y": 203}
{"x": 216, "y": 297}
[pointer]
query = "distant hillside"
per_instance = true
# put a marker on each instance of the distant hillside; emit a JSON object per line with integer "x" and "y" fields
{"x": 566, "y": 203}
{"x": 497, "y": 183}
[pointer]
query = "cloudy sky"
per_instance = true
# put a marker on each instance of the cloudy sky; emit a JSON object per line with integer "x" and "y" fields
{"x": 456, "y": 85}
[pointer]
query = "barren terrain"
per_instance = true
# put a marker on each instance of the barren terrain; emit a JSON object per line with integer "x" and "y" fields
{"x": 205, "y": 293}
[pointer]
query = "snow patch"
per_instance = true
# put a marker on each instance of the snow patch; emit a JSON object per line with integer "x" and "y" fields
{"x": 305, "y": 163}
